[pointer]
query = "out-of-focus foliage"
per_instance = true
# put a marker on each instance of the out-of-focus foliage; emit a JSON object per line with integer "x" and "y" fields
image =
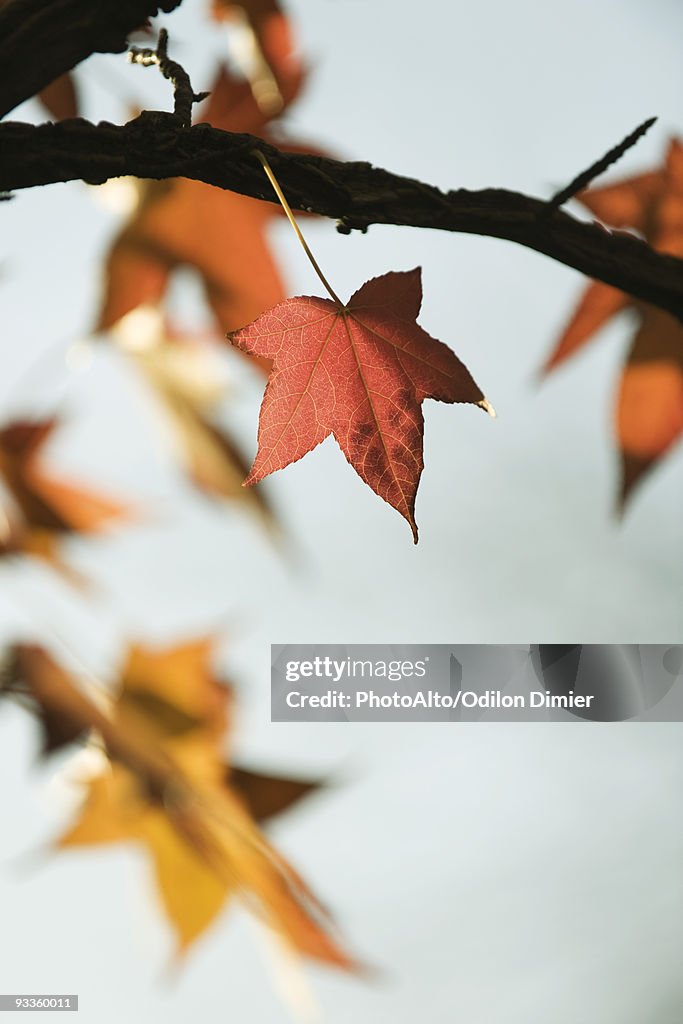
{"x": 649, "y": 411}
{"x": 180, "y": 372}
{"x": 40, "y": 509}
{"x": 166, "y": 785}
{"x": 167, "y": 781}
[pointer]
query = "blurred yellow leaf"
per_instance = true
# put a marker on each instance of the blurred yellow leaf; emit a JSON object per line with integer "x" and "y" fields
{"x": 166, "y": 789}
{"x": 182, "y": 377}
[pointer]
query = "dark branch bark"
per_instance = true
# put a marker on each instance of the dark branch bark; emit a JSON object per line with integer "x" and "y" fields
{"x": 356, "y": 194}
{"x": 41, "y": 39}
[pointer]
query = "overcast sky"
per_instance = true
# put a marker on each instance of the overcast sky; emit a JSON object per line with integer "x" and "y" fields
{"x": 496, "y": 875}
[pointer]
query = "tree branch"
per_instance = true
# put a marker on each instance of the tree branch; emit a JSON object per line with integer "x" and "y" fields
{"x": 154, "y": 145}
{"x": 184, "y": 95}
{"x": 41, "y": 40}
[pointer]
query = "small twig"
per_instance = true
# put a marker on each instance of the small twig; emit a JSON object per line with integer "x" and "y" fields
{"x": 184, "y": 95}
{"x": 585, "y": 178}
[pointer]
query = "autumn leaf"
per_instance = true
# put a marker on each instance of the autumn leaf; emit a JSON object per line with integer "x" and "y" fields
{"x": 269, "y": 60}
{"x": 253, "y": 100}
{"x": 155, "y": 694}
{"x": 182, "y": 679}
{"x": 181, "y": 376}
{"x": 207, "y": 848}
{"x": 42, "y": 508}
{"x": 165, "y": 789}
{"x": 156, "y": 690}
{"x": 360, "y": 372}
{"x": 186, "y": 223}
{"x": 203, "y": 854}
{"x": 649, "y": 407}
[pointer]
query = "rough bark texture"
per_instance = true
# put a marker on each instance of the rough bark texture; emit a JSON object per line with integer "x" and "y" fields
{"x": 40, "y": 39}
{"x": 156, "y": 145}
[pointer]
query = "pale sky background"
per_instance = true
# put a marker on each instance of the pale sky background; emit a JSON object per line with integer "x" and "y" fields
{"x": 495, "y": 875}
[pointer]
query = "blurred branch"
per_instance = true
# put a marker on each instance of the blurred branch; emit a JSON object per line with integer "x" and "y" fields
{"x": 40, "y": 41}
{"x": 357, "y": 194}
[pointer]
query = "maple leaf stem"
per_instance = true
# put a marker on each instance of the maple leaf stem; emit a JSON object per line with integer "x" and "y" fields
{"x": 297, "y": 230}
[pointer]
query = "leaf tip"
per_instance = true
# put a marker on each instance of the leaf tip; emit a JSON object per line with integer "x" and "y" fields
{"x": 253, "y": 477}
{"x": 487, "y": 407}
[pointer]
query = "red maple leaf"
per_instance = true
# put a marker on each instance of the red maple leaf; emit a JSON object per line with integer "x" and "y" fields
{"x": 649, "y": 408}
{"x": 360, "y": 372}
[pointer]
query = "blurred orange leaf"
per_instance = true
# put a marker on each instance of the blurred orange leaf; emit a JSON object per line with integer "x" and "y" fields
{"x": 649, "y": 410}
{"x": 186, "y": 223}
{"x": 42, "y": 508}
{"x": 269, "y": 58}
